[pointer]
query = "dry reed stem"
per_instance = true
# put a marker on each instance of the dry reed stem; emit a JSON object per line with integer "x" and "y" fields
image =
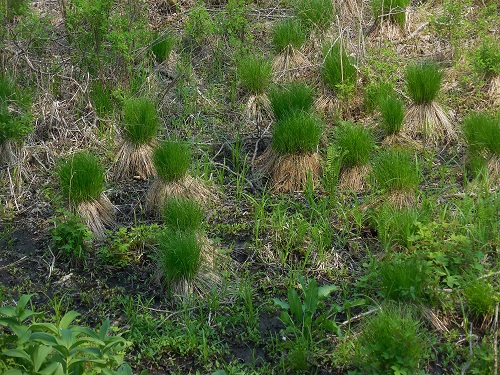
{"x": 430, "y": 122}
{"x": 433, "y": 318}
{"x": 6, "y": 153}
{"x": 135, "y": 160}
{"x": 289, "y": 173}
{"x": 97, "y": 215}
{"x": 327, "y": 102}
{"x": 386, "y": 29}
{"x": 259, "y": 110}
{"x": 186, "y": 187}
{"x": 354, "y": 179}
{"x": 401, "y": 199}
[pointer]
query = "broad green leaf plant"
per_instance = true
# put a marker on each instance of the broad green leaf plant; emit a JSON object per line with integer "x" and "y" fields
{"x": 37, "y": 347}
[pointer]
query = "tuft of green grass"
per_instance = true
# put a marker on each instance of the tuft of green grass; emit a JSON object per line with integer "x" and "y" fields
{"x": 178, "y": 255}
{"x": 315, "y": 13}
{"x": 482, "y": 132}
{"x": 183, "y": 214}
{"x": 172, "y": 159}
{"x": 393, "y": 114}
{"x": 254, "y": 73}
{"x": 479, "y": 297}
{"x": 140, "y": 121}
{"x": 394, "y": 8}
{"x": 487, "y": 58}
{"x": 396, "y": 170}
{"x": 355, "y": 142}
{"x": 403, "y": 278}
{"x": 337, "y": 67}
{"x": 162, "y": 46}
{"x": 288, "y": 33}
{"x": 375, "y": 92}
{"x": 102, "y": 98}
{"x": 81, "y": 177}
{"x": 423, "y": 81}
{"x": 298, "y": 133}
{"x": 289, "y": 98}
{"x": 397, "y": 226}
{"x": 392, "y": 339}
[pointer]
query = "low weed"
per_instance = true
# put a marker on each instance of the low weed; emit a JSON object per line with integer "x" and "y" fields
{"x": 70, "y": 237}
{"x": 487, "y": 57}
{"x": 480, "y": 297}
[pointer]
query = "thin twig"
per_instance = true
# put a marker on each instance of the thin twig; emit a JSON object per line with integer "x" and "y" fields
{"x": 359, "y": 316}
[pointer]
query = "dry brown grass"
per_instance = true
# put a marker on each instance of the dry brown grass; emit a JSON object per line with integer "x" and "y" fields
{"x": 289, "y": 173}
{"x": 494, "y": 91}
{"x": 259, "y": 110}
{"x": 288, "y": 63}
{"x": 6, "y": 153}
{"x": 97, "y": 215}
{"x": 354, "y": 179}
{"x": 186, "y": 187}
{"x": 386, "y": 30}
{"x": 494, "y": 170}
{"x": 134, "y": 161}
{"x": 429, "y": 122}
{"x": 401, "y": 199}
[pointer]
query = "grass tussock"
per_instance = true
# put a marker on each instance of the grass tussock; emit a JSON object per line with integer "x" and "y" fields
{"x": 392, "y": 113}
{"x": 298, "y": 133}
{"x": 315, "y": 13}
{"x": 97, "y": 214}
{"x": 337, "y": 70}
{"x": 183, "y": 214}
{"x": 290, "y": 172}
{"x": 172, "y": 160}
{"x": 393, "y": 11}
{"x": 291, "y": 97}
{"x": 288, "y": 36}
{"x": 254, "y": 73}
{"x": 135, "y": 161}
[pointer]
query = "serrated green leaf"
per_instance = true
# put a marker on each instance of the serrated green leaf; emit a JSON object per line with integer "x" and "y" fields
{"x": 325, "y": 290}
{"x": 67, "y": 319}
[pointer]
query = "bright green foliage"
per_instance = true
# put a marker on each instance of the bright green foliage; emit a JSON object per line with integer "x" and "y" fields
{"x": 299, "y": 313}
{"x": 487, "y": 58}
{"x": 14, "y": 8}
{"x": 315, "y": 13}
{"x": 392, "y": 340}
{"x": 395, "y": 8}
{"x": 298, "y": 133}
{"x": 288, "y": 33}
{"x": 15, "y": 115}
{"x": 291, "y": 97}
{"x": 183, "y": 214}
{"x": 101, "y": 95}
{"x": 254, "y": 73}
{"x": 199, "y": 24}
{"x": 395, "y": 170}
{"x": 393, "y": 114}
{"x": 162, "y": 47}
{"x": 397, "y": 226}
{"x": 172, "y": 160}
{"x": 178, "y": 255}
{"x": 423, "y": 81}
{"x": 375, "y": 92}
{"x": 81, "y": 177}
{"x": 482, "y": 132}
{"x": 338, "y": 69}
{"x": 355, "y": 142}
{"x": 70, "y": 237}
{"x": 480, "y": 297}
{"x": 41, "y": 348}
{"x": 403, "y": 278}
{"x": 140, "y": 121}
